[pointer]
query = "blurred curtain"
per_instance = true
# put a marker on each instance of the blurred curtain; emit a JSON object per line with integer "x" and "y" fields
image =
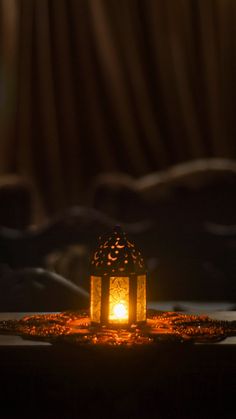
{"x": 89, "y": 86}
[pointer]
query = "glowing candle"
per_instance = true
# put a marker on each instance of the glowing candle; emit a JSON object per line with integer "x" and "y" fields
{"x": 118, "y": 282}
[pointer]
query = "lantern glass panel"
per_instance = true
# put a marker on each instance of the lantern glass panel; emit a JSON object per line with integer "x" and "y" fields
{"x": 119, "y": 299}
{"x": 141, "y": 298}
{"x": 96, "y": 293}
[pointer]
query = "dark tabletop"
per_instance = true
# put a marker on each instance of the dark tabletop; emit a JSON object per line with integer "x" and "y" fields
{"x": 162, "y": 381}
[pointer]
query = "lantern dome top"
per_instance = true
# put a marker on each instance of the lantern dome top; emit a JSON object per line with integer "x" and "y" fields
{"x": 117, "y": 256}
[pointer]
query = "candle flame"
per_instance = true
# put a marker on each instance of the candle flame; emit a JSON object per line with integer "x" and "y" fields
{"x": 120, "y": 311}
{"x": 119, "y": 300}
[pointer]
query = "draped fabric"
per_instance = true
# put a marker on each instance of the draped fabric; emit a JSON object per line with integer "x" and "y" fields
{"x": 91, "y": 86}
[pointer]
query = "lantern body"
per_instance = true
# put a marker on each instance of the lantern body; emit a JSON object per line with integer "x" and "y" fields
{"x": 118, "y": 282}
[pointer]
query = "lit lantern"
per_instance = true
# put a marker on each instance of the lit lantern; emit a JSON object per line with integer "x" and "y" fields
{"x": 118, "y": 282}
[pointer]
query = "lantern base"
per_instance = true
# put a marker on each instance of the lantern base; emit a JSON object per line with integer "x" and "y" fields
{"x": 76, "y": 327}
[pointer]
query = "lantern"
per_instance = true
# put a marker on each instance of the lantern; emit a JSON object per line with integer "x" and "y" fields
{"x": 118, "y": 282}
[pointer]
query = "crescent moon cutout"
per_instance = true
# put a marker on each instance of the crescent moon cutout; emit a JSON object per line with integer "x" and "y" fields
{"x": 119, "y": 246}
{"x": 110, "y": 257}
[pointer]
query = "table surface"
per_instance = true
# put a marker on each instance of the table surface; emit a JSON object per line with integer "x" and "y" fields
{"x": 216, "y": 310}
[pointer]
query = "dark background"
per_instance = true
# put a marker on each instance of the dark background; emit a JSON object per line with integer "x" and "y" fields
{"x": 96, "y": 86}
{"x": 126, "y": 107}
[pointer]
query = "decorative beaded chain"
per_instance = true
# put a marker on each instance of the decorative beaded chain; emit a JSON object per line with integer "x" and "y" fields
{"x": 75, "y": 327}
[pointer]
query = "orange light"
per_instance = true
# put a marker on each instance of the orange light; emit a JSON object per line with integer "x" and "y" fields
{"x": 118, "y": 282}
{"x": 119, "y": 313}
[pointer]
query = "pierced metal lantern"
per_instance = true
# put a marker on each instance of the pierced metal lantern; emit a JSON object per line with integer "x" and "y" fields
{"x": 118, "y": 282}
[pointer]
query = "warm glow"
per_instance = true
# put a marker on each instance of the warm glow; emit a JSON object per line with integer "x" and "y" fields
{"x": 95, "y": 298}
{"x": 141, "y": 298}
{"x": 118, "y": 282}
{"x": 120, "y": 311}
{"x": 119, "y": 300}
